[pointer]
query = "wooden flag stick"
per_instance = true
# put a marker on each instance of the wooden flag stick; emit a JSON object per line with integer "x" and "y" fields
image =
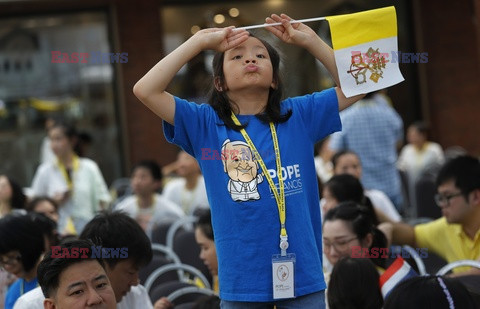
{"x": 279, "y": 24}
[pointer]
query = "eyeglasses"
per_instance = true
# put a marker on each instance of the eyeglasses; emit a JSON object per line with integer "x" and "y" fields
{"x": 9, "y": 260}
{"x": 444, "y": 200}
{"x": 341, "y": 245}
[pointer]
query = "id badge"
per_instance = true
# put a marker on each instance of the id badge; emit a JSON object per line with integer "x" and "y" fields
{"x": 283, "y": 271}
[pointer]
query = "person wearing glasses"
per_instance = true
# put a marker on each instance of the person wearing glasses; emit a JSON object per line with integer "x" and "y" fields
{"x": 349, "y": 226}
{"x": 21, "y": 247}
{"x": 455, "y": 236}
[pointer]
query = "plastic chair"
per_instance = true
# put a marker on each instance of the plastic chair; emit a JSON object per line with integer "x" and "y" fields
{"x": 161, "y": 256}
{"x": 187, "y": 249}
{"x": 159, "y": 234}
{"x": 175, "y": 296}
{"x": 424, "y": 195}
{"x": 166, "y": 288}
{"x": 184, "y": 222}
{"x": 450, "y": 266}
{"x": 149, "y": 283}
{"x": 418, "y": 260}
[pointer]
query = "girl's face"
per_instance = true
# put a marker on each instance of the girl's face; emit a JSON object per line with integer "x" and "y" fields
{"x": 11, "y": 262}
{"x": 46, "y": 208}
{"x": 248, "y": 65}
{"x": 338, "y": 240}
{"x": 5, "y": 189}
{"x": 208, "y": 252}
{"x": 349, "y": 164}
{"x": 415, "y": 137}
{"x": 329, "y": 201}
{"x": 60, "y": 143}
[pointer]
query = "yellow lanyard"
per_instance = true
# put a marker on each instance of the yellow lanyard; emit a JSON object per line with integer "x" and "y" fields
{"x": 279, "y": 196}
{"x": 64, "y": 172}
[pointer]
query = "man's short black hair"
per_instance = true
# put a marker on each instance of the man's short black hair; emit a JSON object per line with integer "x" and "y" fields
{"x": 118, "y": 230}
{"x": 50, "y": 268}
{"x": 20, "y": 233}
{"x": 464, "y": 171}
{"x": 152, "y": 167}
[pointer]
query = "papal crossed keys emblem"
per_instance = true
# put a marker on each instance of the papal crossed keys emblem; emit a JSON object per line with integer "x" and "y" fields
{"x": 372, "y": 62}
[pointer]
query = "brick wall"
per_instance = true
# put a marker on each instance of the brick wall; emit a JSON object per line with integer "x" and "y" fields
{"x": 450, "y": 34}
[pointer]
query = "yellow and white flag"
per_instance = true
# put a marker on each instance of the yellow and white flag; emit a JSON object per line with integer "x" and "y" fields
{"x": 363, "y": 43}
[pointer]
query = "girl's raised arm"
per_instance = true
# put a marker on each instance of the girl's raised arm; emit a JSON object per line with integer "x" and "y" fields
{"x": 150, "y": 89}
{"x": 303, "y": 36}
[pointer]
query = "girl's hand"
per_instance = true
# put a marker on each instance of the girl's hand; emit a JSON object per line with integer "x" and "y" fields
{"x": 296, "y": 33}
{"x": 221, "y": 39}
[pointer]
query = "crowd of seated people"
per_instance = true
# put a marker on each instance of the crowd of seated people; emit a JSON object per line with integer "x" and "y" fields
{"x": 353, "y": 220}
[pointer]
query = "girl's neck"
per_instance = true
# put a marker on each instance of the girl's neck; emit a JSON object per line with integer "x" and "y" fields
{"x": 248, "y": 102}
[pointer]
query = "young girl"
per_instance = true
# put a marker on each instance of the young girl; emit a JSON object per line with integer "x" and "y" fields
{"x": 243, "y": 140}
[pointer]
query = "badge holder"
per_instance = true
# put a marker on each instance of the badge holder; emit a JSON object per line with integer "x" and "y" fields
{"x": 283, "y": 272}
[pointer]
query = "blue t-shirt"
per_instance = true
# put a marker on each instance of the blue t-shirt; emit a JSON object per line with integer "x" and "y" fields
{"x": 15, "y": 291}
{"x": 244, "y": 211}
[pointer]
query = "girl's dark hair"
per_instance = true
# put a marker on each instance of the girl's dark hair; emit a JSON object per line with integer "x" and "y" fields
{"x": 354, "y": 284}
{"x": 345, "y": 187}
{"x": 67, "y": 129}
{"x": 362, "y": 224}
{"x": 341, "y": 153}
{"x": 70, "y": 132}
{"x": 223, "y": 105}
{"x": 33, "y": 203}
{"x": 421, "y": 127}
{"x": 47, "y": 226}
{"x": 428, "y": 292}
{"x": 204, "y": 222}
{"x": 18, "y": 200}
{"x": 23, "y": 234}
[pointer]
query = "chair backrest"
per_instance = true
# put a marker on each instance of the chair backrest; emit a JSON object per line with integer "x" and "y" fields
{"x": 154, "y": 277}
{"x": 450, "y": 266}
{"x": 417, "y": 259}
{"x": 424, "y": 194}
{"x": 159, "y": 233}
{"x": 433, "y": 262}
{"x": 185, "y": 223}
{"x": 166, "y": 288}
{"x": 156, "y": 262}
{"x": 161, "y": 256}
{"x": 186, "y": 294}
{"x": 187, "y": 249}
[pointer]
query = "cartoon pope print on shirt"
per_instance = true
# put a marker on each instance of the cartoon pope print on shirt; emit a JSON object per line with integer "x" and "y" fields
{"x": 242, "y": 169}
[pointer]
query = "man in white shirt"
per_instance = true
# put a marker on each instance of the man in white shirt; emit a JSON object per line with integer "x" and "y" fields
{"x": 146, "y": 206}
{"x": 188, "y": 190}
{"x": 113, "y": 231}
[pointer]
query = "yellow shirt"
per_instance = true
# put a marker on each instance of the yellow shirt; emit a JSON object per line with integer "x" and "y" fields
{"x": 449, "y": 241}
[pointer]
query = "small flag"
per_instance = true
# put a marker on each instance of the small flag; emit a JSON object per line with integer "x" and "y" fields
{"x": 363, "y": 44}
{"x": 393, "y": 275}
